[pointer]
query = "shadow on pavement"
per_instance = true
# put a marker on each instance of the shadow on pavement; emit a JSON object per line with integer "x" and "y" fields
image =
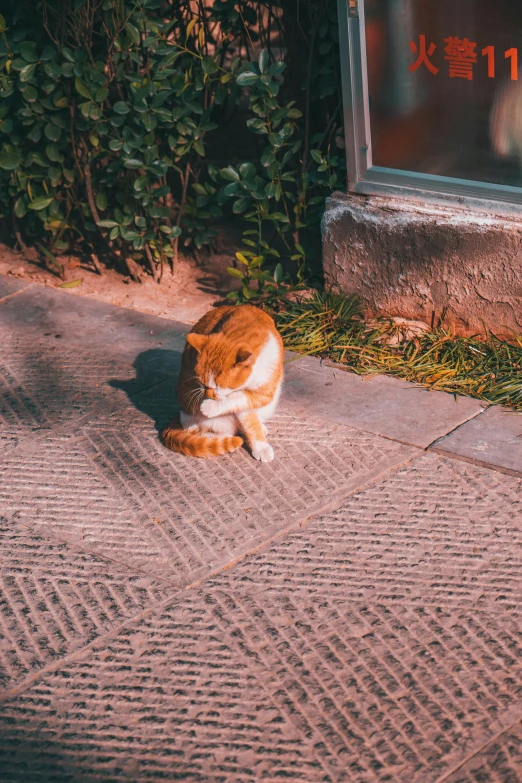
{"x": 159, "y": 400}
{"x": 32, "y": 757}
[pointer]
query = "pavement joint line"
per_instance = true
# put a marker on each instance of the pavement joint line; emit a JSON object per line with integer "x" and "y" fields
{"x": 51, "y": 535}
{"x": 475, "y": 415}
{"x": 76, "y": 654}
{"x": 16, "y": 293}
{"x": 462, "y": 424}
{"x": 447, "y": 775}
{"x": 473, "y": 461}
{"x": 212, "y": 580}
{"x": 31, "y": 441}
{"x": 28, "y": 443}
{"x": 470, "y": 460}
{"x": 299, "y": 410}
{"x": 334, "y": 501}
{"x": 81, "y": 651}
{"x": 430, "y": 447}
{"x": 302, "y": 410}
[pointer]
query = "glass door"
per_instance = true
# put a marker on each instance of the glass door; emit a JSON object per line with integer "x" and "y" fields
{"x": 434, "y": 94}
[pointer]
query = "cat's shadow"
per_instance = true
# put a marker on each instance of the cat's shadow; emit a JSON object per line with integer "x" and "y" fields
{"x": 153, "y": 389}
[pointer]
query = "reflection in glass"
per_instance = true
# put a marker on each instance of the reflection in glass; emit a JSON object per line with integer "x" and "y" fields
{"x": 445, "y": 92}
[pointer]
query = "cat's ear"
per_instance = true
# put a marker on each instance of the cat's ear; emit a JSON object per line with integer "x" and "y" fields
{"x": 197, "y": 341}
{"x": 244, "y": 357}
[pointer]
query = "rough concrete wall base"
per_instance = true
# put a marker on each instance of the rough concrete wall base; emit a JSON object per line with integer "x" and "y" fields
{"x": 408, "y": 259}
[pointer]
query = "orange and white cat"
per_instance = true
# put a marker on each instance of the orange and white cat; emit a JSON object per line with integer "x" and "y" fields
{"x": 230, "y": 382}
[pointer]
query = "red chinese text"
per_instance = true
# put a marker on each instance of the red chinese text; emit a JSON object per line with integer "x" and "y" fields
{"x": 423, "y": 55}
{"x": 462, "y": 56}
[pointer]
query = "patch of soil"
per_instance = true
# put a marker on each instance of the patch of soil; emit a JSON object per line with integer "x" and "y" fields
{"x": 185, "y": 296}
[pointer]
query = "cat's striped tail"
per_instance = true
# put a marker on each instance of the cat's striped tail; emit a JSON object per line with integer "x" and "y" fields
{"x": 194, "y": 444}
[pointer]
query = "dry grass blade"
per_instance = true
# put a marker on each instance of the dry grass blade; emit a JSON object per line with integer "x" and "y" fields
{"x": 333, "y": 326}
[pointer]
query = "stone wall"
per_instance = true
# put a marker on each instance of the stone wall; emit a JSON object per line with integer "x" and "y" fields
{"x": 412, "y": 260}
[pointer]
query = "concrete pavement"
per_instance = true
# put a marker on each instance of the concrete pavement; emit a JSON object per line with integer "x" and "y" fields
{"x": 348, "y": 612}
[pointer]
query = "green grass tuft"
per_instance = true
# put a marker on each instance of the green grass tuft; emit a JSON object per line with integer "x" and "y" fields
{"x": 332, "y": 326}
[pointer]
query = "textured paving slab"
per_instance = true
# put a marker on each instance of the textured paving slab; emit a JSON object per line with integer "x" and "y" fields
{"x": 494, "y": 438}
{"x": 388, "y": 692}
{"x": 499, "y": 762}
{"x": 42, "y": 389}
{"x": 437, "y": 530}
{"x": 54, "y": 600}
{"x": 387, "y": 406}
{"x": 44, "y": 386}
{"x": 349, "y": 612}
{"x": 229, "y": 686}
{"x": 62, "y": 357}
{"x": 167, "y": 698}
{"x": 113, "y": 487}
{"x": 391, "y": 627}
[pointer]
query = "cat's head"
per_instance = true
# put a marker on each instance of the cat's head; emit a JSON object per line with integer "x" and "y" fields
{"x": 221, "y": 365}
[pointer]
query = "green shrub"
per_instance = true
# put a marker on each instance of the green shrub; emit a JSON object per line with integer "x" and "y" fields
{"x": 106, "y": 108}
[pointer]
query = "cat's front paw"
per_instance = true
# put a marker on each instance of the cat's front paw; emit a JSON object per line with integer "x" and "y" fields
{"x": 211, "y": 408}
{"x": 263, "y": 451}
